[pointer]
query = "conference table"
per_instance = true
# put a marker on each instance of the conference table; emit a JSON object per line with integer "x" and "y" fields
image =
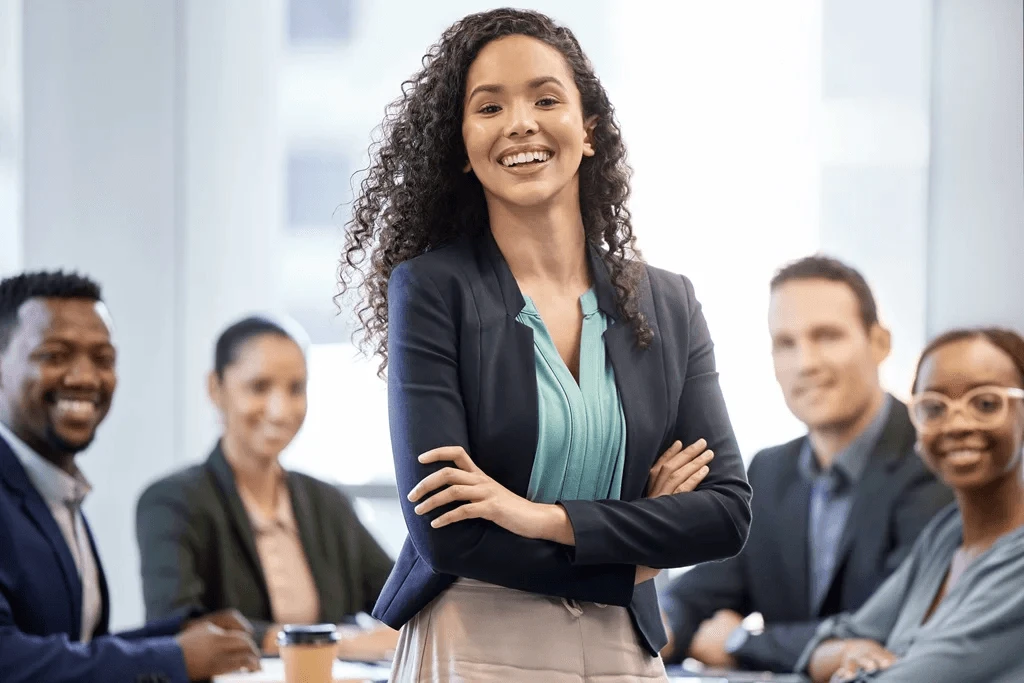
{"x": 365, "y": 672}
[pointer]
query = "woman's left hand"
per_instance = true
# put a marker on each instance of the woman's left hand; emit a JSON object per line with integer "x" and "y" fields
{"x": 483, "y": 497}
{"x": 862, "y": 657}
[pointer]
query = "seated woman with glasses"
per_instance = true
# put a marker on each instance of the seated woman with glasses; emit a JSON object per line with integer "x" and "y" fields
{"x": 954, "y": 610}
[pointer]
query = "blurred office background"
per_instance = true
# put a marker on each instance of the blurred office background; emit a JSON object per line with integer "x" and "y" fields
{"x": 195, "y": 157}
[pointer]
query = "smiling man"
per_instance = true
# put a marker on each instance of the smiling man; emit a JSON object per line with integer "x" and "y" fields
{"x": 835, "y": 511}
{"x": 57, "y": 380}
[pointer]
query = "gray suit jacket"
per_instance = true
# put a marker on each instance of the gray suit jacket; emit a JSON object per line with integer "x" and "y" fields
{"x": 197, "y": 547}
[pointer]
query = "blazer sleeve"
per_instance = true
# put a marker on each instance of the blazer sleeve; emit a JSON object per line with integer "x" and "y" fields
{"x": 377, "y": 566}
{"x": 374, "y": 563}
{"x": 696, "y": 595}
{"x": 778, "y": 647}
{"x": 28, "y": 658}
{"x": 710, "y": 523}
{"x": 168, "y": 626}
{"x": 169, "y": 546}
{"x": 426, "y": 411}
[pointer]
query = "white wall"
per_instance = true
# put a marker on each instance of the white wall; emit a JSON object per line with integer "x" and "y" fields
{"x": 875, "y": 156}
{"x": 151, "y": 164}
{"x": 10, "y": 136}
{"x": 719, "y": 103}
{"x": 976, "y": 235}
{"x": 100, "y": 153}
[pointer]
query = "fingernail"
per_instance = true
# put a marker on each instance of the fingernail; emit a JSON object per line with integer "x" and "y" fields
{"x": 421, "y": 457}
{"x": 705, "y": 469}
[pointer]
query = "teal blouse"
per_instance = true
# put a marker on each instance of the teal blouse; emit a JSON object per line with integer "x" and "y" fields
{"x": 581, "y": 436}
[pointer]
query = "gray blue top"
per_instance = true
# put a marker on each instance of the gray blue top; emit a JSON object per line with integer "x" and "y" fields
{"x": 581, "y": 436}
{"x": 976, "y": 632}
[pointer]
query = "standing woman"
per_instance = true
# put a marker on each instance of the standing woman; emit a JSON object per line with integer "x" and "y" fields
{"x": 537, "y": 369}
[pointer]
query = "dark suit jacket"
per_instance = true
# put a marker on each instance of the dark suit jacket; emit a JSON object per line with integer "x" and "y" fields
{"x": 41, "y": 604}
{"x": 893, "y": 501}
{"x": 198, "y": 550}
{"x": 462, "y": 373}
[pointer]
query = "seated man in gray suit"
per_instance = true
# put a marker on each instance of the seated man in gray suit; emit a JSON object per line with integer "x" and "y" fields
{"x": 835, "y": 511}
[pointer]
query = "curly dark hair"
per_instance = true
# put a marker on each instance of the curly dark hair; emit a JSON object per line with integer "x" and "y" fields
{"x": 415, "y": 196}
{"x": 46, "y": 284}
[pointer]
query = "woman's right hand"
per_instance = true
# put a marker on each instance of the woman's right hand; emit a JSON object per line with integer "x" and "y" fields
{"x": 679, "y": 470}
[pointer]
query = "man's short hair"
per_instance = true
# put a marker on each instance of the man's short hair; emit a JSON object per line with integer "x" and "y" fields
{"x": 16, "y": 290}
{"x": 820, "y": 267}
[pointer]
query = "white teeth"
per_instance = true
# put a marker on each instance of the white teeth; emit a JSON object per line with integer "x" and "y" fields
{"x": 76, "y": 409}
{"x": 524, "y": 157}
{"x": 963, "y": 456}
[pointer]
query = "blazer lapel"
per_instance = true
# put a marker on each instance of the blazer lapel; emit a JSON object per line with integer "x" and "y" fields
{"x": 873, "y": 488}
{"x": 103, "y": 627}
{"x": 225, "y": 480}
{"x": 639, "y": 377}
{"x": 35, "y": 508}
{"x": 515, "y": 368}
{"x": 794, "y": 514}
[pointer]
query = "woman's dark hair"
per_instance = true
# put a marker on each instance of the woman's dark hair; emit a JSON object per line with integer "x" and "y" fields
{"x": 1008, "y": 341}
{"x": 415, "y": 196}
{"x": 232, "y": 340}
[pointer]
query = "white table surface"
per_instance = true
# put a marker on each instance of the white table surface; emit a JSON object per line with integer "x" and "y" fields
{"x": 273, "y": 672}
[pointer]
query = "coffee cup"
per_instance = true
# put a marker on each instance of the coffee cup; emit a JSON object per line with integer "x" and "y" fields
{"x": 308, "y": 652}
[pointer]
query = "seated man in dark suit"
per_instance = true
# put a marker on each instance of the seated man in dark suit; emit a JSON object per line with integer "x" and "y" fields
{"x": 57, "y": 379}
{"x": 834, "y": 512}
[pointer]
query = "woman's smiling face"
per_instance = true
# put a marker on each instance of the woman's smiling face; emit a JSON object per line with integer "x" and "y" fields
{"x": 523, "y": 125}
{"x": 963, "y": 452}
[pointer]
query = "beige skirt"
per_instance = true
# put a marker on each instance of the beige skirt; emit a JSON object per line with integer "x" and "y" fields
{"x": 477, "y": 632}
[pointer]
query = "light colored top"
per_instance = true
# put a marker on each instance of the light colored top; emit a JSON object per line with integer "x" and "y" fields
{"x": 64, "y": 495}
{"x": 581, "y": 436}
{"x": 290, "y": 585}
{"x": 975, "y": 633}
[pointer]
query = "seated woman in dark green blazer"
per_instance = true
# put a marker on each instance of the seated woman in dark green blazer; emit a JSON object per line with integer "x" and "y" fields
{"x": 238, "y": 530}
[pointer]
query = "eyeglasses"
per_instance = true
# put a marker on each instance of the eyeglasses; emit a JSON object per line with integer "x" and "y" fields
{"x": 985, "y": 406}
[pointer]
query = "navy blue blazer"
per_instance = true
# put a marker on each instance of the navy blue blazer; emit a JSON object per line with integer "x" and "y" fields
{"x": 41, "y": 604}
{"x": 461, "y": 373}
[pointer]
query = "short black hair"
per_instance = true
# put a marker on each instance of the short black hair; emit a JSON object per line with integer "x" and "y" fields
{"x": 43, "y": 284}
{"x": 821, "y": 267}
{"x": 236, "y": 336}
